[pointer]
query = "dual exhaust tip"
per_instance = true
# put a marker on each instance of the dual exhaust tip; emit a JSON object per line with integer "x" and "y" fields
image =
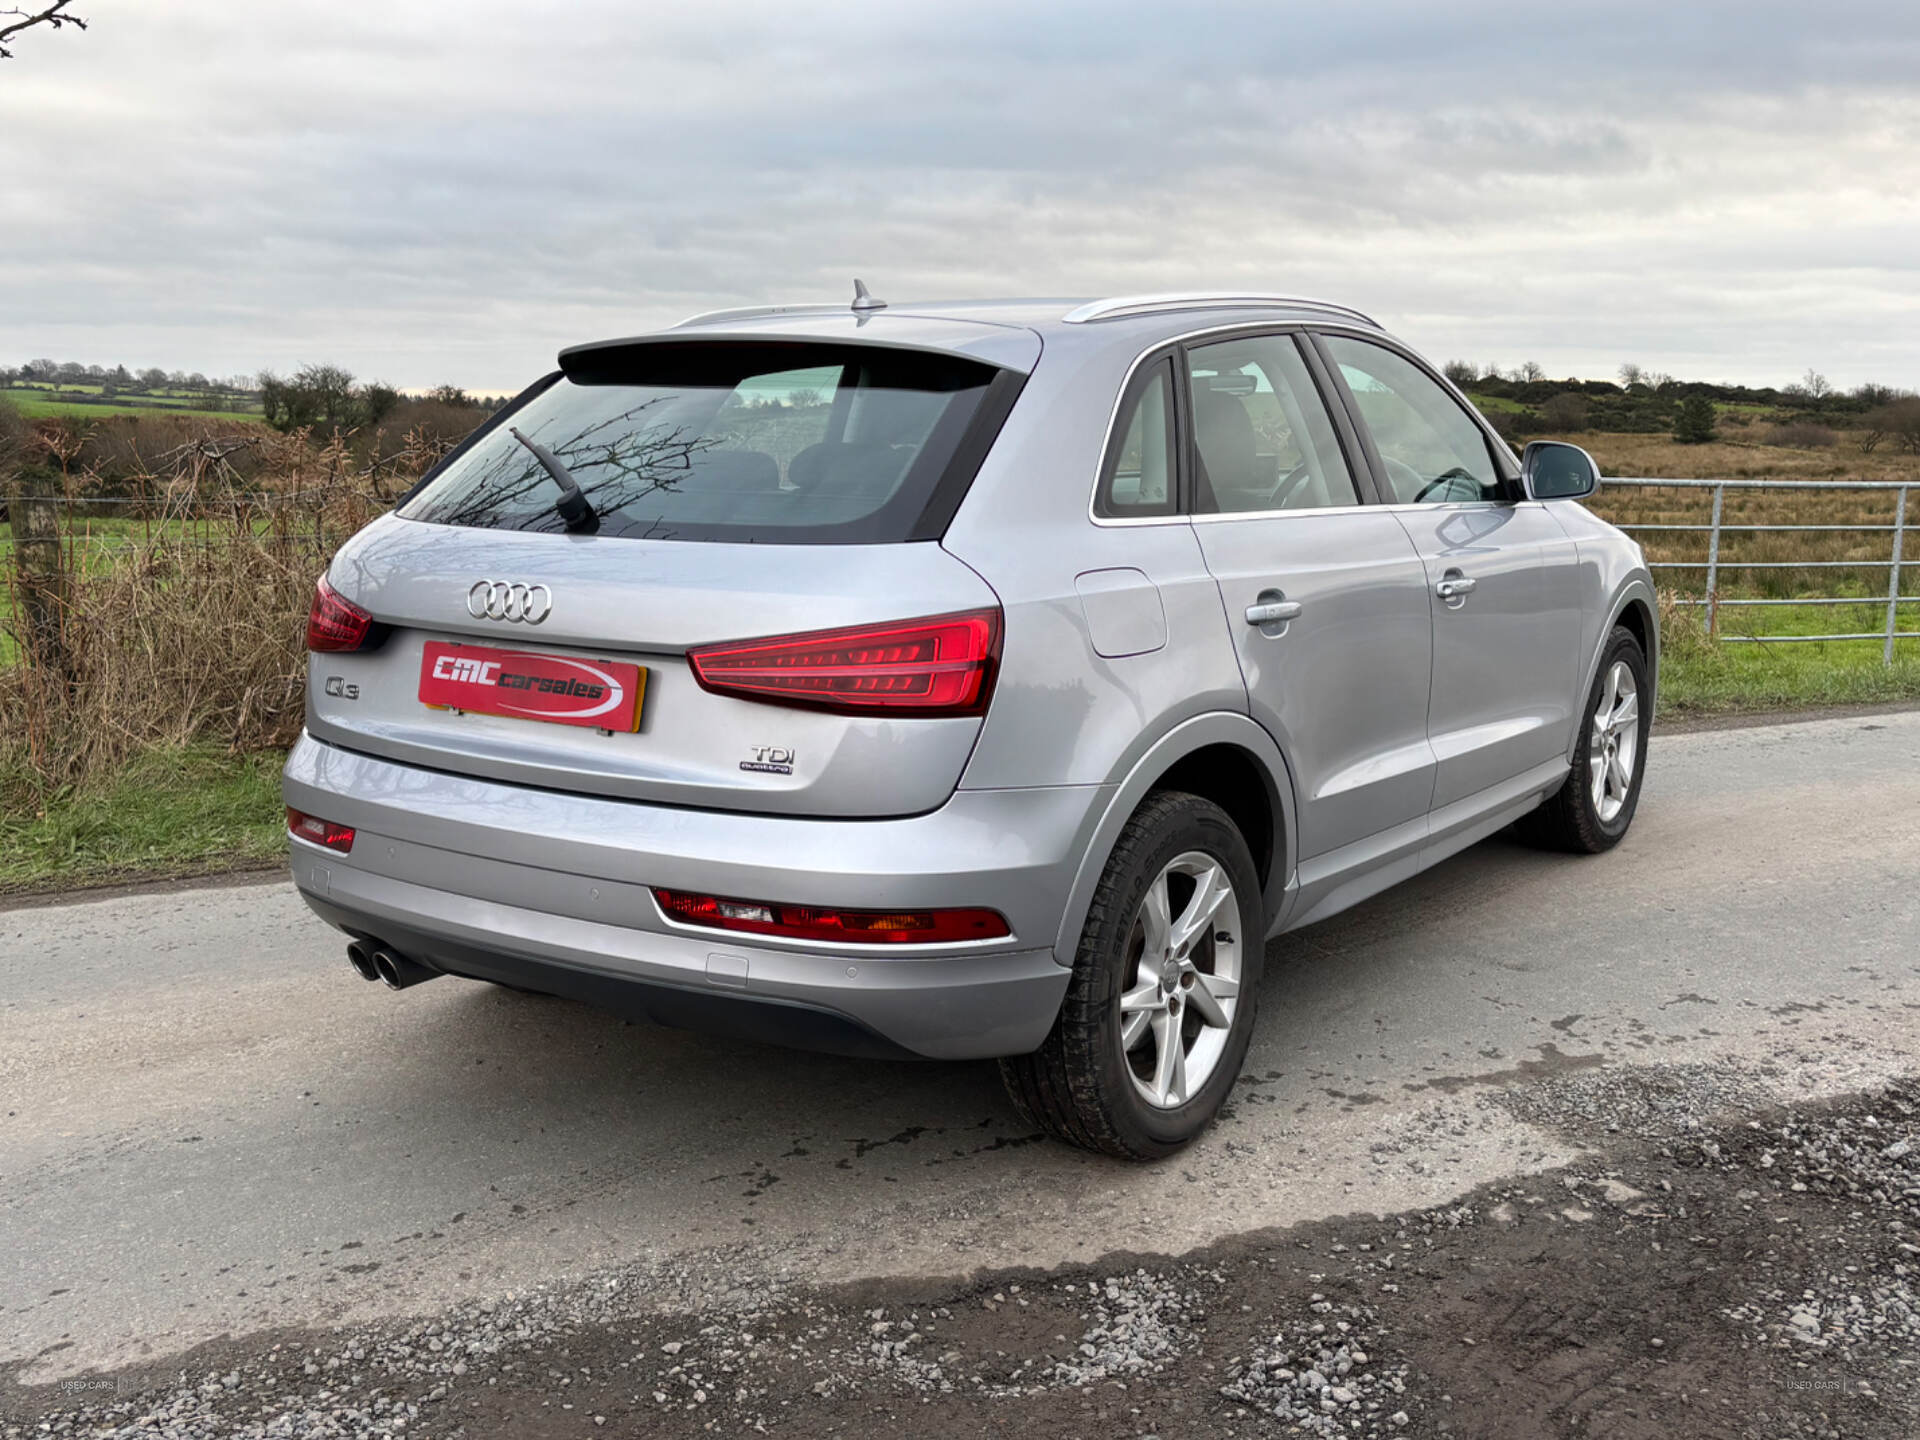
{"x": 391, "y": 968}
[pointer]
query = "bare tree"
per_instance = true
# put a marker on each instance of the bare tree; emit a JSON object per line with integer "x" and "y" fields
{"x": 1815, "y": 385}
{"x": 1530, "y": 371}
{"x": 1630, "y": 375}
{"x": 13, "y": 20}
{"x": 1903, "y": 424}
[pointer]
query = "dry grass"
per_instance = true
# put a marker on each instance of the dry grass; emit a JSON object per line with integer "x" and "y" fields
{"x": 189, "y": 628}
{"x": 1739, "y": 455}
{"x": 1652, "y": 455}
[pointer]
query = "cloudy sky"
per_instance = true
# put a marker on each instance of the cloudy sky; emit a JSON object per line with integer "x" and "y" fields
{"x": 429, "y": 190}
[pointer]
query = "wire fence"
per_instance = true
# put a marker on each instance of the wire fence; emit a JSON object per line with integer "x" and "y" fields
{"x": 128, "y": 623}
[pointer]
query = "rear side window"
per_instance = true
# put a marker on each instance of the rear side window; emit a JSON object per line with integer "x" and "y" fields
{"x": 776, "y": 443}
{"x": 1263, "y": 438}
{"x": 1138, "y": 478}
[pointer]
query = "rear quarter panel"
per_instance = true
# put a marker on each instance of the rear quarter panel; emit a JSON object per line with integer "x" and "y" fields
{"x": 1063, "y": 713}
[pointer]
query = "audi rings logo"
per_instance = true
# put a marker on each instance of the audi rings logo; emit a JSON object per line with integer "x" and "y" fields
{"x": 509, "y": 600}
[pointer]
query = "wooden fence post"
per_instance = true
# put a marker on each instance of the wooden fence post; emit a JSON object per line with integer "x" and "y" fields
{"x": 39, "y": 578}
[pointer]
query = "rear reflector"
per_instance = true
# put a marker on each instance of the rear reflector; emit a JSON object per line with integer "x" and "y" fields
{"x": 335, "y": 622}
{"x": 316, "y": 831}
{"x": 938, "y": 666}
{"x": 846, "y": 927}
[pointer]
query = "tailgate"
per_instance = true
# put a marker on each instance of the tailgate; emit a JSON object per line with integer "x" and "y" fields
{"x": 617, "y": 604}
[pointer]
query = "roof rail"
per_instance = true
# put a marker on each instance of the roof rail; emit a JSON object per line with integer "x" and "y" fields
{"x": 750, "y": 312}
{"x": 1124, "y": 305}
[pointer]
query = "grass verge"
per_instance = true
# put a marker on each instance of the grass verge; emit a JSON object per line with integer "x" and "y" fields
{"x": 169, "y": 813}
{"x": 1731, "y": 679}
{"x": 1699, "y": 676}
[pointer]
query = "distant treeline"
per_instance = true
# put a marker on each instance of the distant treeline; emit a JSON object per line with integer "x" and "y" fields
{"x": 326, "y": 398}
{"x": 1524, "y": 402}
{"x": 69, "y": 374}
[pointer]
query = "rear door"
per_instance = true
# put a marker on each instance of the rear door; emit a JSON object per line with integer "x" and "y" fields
{"x": 1325, "y": 595}
{"x": 1503, "y": 575}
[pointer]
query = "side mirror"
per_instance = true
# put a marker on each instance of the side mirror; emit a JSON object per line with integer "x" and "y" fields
{"x": 1554, "y": 470}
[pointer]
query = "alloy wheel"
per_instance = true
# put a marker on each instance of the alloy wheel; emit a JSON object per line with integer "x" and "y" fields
{"x": 1613, "y": 744}
{"x": 1184, "y": 953}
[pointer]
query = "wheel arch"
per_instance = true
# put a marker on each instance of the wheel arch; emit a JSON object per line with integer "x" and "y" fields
{"x": 1636, "y": 607}
{"x": 1224, "y": 757}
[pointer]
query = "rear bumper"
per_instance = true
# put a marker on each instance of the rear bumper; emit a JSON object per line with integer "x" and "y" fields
{"x": 551, "y": 891}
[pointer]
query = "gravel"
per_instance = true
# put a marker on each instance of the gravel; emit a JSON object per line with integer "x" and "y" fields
{"x": 1751, "y": 1276}
{"x": 1318, "y": 1375}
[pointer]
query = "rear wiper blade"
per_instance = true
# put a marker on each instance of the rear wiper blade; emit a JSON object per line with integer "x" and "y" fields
{"x": 576, "y": 512}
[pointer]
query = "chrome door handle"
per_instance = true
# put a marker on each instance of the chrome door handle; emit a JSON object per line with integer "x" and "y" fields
{"x": 1273, "y": 612}
{"x": 1455, "y": 587}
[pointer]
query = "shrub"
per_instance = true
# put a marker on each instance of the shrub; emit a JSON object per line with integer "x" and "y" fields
{"x": 1801, "y": 435}
{"x": 1506, "y": 423}
{"x": 1694, "y": 424}
{"x": 1566, "y": 412}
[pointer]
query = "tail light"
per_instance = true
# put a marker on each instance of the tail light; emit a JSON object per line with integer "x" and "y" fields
{"x": 938, "y": 666}
{"x": 846, "y": 927}
{"x": 316, "y": 831}
{"x": 335, "y": 622}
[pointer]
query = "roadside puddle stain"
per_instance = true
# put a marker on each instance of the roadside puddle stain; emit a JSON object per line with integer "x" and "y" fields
{"x": 905, "y": 1137}
{"x": 1689, "y": 999}
{"x": 1796, "y": 1007}
{"x": 1553, "y": 1061}
{"x": 1349, "y": 1102}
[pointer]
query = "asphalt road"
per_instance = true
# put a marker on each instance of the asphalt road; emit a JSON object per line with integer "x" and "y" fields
{"x": 210, "y": 1127}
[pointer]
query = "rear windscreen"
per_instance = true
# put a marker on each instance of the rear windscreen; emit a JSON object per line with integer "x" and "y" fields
{"x": 767, "y": 442}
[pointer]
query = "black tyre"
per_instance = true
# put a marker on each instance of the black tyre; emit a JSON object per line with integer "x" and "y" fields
{"x": 1161, "y": 1004}
{"x": 1593, "y": 809}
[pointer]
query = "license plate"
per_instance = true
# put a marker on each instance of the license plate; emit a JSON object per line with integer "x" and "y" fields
{"x": 601, "y": 694}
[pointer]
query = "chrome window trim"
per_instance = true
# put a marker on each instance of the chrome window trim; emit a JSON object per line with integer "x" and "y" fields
{"x": 1397, "y": 507}
{"x": 1210, "y": 332}
{"x": 1215, "y": 519}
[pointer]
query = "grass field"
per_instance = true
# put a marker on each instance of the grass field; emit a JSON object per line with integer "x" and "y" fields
{"x": 95, "y": 539}
{"x": 37, "y": 407}
{"x": 1497, "y": 405}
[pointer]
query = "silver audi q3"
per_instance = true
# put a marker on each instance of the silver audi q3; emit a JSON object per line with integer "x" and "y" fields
{"x": 961, "y": 680}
